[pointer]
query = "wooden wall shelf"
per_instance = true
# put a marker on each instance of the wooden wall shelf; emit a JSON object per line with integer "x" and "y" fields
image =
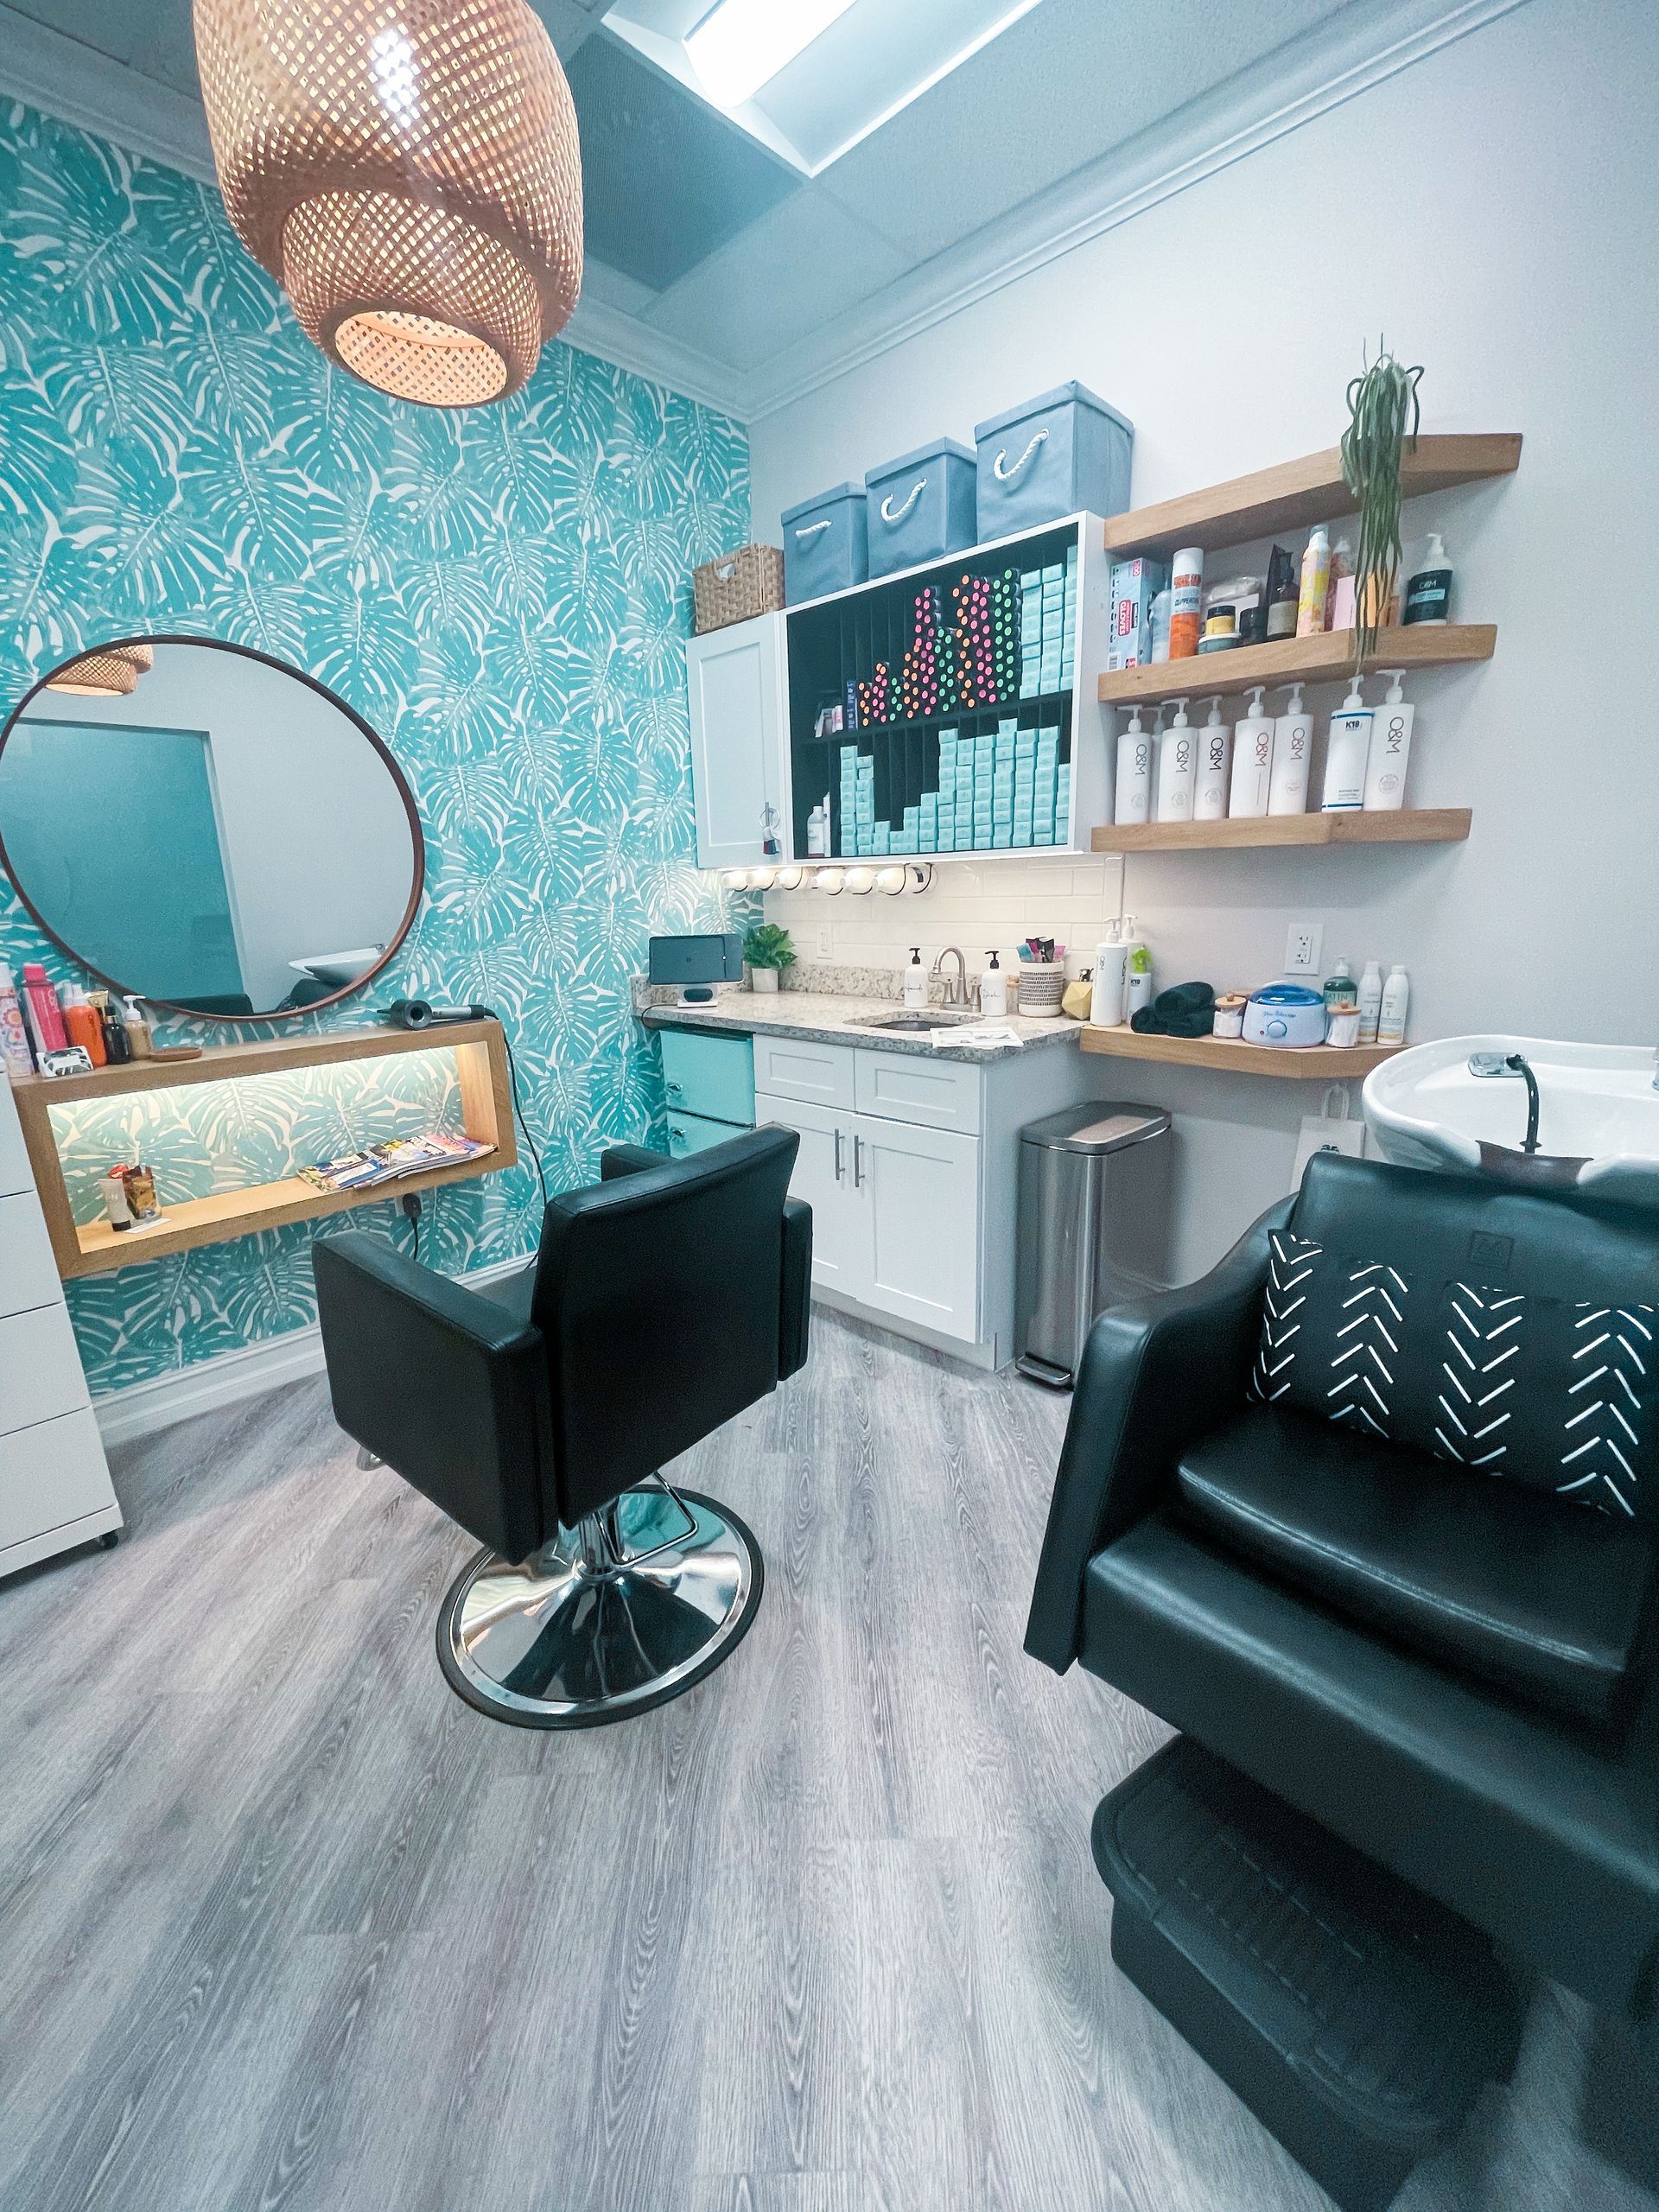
{"x": 1311, "y": 1063}
{"x": 480, "y": 1051}
{"x": 1298, "y": 494}
{"x": 1325, "y": 658}
{"x": 1422, "y": 825}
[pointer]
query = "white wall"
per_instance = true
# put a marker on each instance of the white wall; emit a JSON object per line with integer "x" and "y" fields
{"x": 1495, "y": 210}
{"x": 316, "y": 840}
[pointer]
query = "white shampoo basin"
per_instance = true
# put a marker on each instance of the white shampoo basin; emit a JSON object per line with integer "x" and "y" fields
{"x": 1598, "y": 1122}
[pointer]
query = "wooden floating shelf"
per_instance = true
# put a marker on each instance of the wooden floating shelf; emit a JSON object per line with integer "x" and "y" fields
{"x": 1299, "y": 493}
{"x": 1423, "y": 825}
{"x": 1325, "y": 659}
{"x": 480, "y": 1051}
{"x": 1311, "y": 1063}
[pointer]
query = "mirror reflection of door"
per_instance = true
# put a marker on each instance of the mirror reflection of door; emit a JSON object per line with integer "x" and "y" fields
{"x": 224, "y": 837}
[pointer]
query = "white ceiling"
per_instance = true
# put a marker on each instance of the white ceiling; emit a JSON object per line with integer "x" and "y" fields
{"x": 1075, "y": 115}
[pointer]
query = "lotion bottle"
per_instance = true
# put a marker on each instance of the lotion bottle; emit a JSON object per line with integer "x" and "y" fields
{"x": 141, "y": 1040}
{"x": 1347, "y": 748}
{"x": 993, "y": 988}
{"x": 915, "y": 980}
{"x": 1137, "y": 977}
{"x": 1390, "y": 747}
{"x": 1252, "y": 761}
{"x": 1293, "y": 738}
{"x": 1428, "y": 595}
{"x": 1391, "y": 1013}
{"x": 1112, "y": 957}
{"x": 1178, "y": 764}
{"x": 1370, "y": 1003}
{"x": 1132, "y": 793}
{"x": 1215, "y": 757}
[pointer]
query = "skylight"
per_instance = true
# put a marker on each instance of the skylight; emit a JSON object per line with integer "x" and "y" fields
{"x": 810, "y": 78}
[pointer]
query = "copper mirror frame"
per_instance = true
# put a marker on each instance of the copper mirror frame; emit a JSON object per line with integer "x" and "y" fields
{"x": 400, "y": 782}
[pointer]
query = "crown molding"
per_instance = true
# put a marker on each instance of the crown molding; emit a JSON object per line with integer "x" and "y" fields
{"x": 614, "y": 336}
{"x": 1287, "y": 89}
{"x": 64, "y": 78}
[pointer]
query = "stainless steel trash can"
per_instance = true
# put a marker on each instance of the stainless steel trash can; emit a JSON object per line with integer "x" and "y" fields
{"x": 1094, "y": 1220}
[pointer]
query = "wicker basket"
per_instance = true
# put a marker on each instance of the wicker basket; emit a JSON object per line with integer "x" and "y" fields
{"x": 748, "y": 581}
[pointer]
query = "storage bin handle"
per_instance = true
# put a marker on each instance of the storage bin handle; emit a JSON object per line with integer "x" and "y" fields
{"x": 725, "y": 570}
{"x": 812, "y": 529}
{"x": 916, "y": 491}
{"x": 1002, "y": 474}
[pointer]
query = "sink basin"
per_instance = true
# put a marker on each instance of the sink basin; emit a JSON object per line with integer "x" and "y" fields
{"x": 912, "y": 1023}
{"x": 1598, "y": 1122}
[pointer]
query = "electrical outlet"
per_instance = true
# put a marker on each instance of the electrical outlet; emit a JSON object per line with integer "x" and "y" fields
{"x": 1303, "y": 947}
{"x": 824, "y": 943}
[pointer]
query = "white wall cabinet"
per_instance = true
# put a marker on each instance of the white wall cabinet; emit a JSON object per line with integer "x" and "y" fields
{"x": 738, "y": 684}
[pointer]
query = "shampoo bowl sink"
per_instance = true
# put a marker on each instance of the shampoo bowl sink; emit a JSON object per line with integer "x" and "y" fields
{"x": 1598, "y": 1122}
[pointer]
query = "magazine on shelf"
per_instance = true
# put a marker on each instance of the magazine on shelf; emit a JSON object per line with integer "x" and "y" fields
{"x": 385, "y": 1163}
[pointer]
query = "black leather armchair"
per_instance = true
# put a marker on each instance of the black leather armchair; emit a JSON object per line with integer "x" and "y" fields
{"x": 662, "y": 1301}
{"x": 1454, "y": 1673}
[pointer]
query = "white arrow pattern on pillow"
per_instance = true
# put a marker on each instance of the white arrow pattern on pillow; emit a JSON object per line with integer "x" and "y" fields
{"x": 1604, "y": 1439}
{"x": 1481, "y": 1346}
{"x": 1290, "y": 1262}
{"x": 1370, "y": 1338}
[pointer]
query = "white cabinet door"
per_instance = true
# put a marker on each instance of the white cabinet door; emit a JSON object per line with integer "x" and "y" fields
{"x": 824, "y": 1178}
{"x": 803, "y": 1068}
{"x": 920, "y": 1191}
{"x": 738, "y": 693}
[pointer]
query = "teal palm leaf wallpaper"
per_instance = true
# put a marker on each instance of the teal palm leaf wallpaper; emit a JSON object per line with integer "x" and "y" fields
{"x": 501, "y": 594}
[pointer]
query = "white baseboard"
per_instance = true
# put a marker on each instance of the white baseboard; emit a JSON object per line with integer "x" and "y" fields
{"x": 144, "y": 1407}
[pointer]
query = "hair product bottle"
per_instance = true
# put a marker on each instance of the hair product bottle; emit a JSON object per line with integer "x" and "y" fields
{"x": 1347, "y": 750}
{"x": 1185, "y": 601}
{"x": 1215, "y": 757}
{"x": 1111, "y": 968}
{"x": 1391, "y": 1013}
{"x": 15, "y": 1054}
{"x": 1316, "y": 581}
{"x": 1370, "y": 1003}
{"x": 1390, "y": 747}
{"x": 1293, "y": 738}
{"x": 1252, "y": 761}
{"x": 44, "y": 1012}
{"x": 1178, "y": 763}
{"x": 1132, "y": 792}
{"x": 1428, "y": 595}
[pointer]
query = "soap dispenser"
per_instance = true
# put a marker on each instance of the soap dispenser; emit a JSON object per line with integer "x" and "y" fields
{"x": 1132, "y": 794}
{"x": 1390, "y": 747}
{"x": 1178, "y": 764}
{"x": 915, "y": 981}
{"x": 1292, "y": 737}
{"x": 1346, "y": 754}
{"x": 993, "y": 988}
{"x": 1215, "y": 757}
{"x": 1252, "y": 759}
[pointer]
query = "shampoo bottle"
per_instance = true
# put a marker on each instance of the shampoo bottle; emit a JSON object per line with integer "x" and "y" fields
{"x": 1112, "y": 957}
{"x": 1390, "y": 747}
{"x": 14, "y": 1055}
{"x": 915, "y": 980}
{"x": 993, "y": 988}
{"x": 1132, "y": 794}
{"x": 1215, "y": 757}
{"x": 1316, "y": 580}
{"x": 1428, "y": 595}
{"x": 1252, "y": 761}
{"x": 1370, "y": 1003}
{"x": 1292, "y": 737}
{"x": 1178, "y": 761}
{"x": 1347, "y": 750}
{"x": 1391, "y": 1013}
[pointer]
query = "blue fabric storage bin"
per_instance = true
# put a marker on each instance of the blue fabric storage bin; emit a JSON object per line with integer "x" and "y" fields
{"x": 1064, "y": 453}
{"x": 921, "y": 506}
{"x": 824, "y": 545}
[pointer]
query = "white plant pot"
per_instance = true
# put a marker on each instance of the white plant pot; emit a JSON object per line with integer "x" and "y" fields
{"x": 763, "y": 979}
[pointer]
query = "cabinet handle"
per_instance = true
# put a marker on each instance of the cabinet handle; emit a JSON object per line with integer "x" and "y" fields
{"x": 838, "y": 1140}
{"x": 858, "y": 1161}
{"x": 673, "y": 1090}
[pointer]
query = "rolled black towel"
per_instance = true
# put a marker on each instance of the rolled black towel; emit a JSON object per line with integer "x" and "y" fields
{"x": 1184, "y": 1010}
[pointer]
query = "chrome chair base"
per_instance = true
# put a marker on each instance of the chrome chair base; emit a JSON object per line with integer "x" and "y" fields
{"x": 614, "y": 1616}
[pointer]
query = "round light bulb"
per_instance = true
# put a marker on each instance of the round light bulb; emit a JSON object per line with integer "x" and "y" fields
{"x": 830, "y": 881}
{"x": 790, "y": 879}
{"x": 861, "y": 881}
{"x": 890, "y": 880}
{"x": 737, "y": 879}
{"x": 762, "y": 878}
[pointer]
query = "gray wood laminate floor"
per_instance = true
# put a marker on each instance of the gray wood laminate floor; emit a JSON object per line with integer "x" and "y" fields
{"x": 284, "y": 1924}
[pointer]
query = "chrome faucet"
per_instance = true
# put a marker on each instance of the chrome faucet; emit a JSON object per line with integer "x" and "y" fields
{"x": 955, "y": 987}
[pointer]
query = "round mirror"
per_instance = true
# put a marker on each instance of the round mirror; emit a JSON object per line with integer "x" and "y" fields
{"x": 207, "y": 829}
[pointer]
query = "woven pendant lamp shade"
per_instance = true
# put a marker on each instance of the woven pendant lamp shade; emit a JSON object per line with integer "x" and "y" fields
{"x": 97, "y": 676}
{"x": 407, "y": 171}
{"x": 142, "y": 657}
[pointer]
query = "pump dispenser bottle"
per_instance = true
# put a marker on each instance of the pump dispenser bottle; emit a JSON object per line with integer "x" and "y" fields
{"x": 1347, "y": 750}
{"x": 1215, "y": 757}
{"x": 1252, "y": 761}
{"x": 1137, "y": 970}
{"x": 1111, "y": 954}
{"x": 1132, "y": 794}
{"x": 915, "y": 980}
{"x": 993, "y": 988}
{"x": 1178, "y": 761}
{"x": 1390, "y": 747}
{"x": 1293, "y": 739}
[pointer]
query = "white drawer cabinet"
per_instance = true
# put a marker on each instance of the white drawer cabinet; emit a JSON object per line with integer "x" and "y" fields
{"x": 816, "y": 1074}
{"x": 40, "y": 1368}
{"x": 52, "y": 1475}
{"x": 15, "y": 1174}
{"x": 906, "y": 1087}
{"x": 29, "y": 1273}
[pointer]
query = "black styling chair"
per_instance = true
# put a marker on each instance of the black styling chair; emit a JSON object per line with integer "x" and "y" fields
{"x": 1372, "y": 1513}
{"x": 661, "y": 1302}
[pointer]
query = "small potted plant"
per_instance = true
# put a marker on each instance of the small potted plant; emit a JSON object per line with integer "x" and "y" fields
{"x": 768, "y": 950}
{"x": 1383, "y": 418}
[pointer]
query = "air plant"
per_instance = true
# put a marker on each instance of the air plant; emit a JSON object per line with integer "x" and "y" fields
{"x": 1382, "y": 413}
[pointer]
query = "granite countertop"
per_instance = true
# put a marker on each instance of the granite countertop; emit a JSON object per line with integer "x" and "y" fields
{"x": 833, "y": 1018}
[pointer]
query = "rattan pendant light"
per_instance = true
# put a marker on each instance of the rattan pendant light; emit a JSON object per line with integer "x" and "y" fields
{"x": 102, "y": 675}
{"x": 409, "y": 172}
